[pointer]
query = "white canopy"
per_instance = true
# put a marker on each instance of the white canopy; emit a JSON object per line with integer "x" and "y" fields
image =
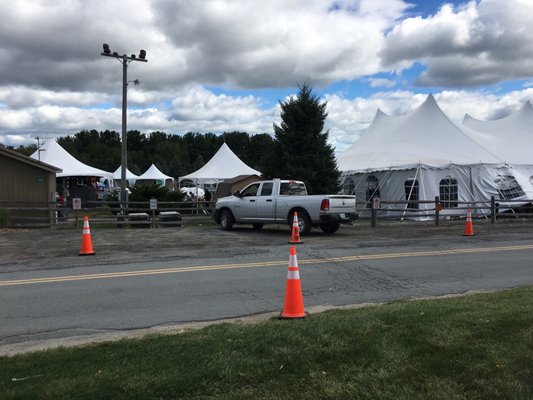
{"x": 425, "y": 136}
{"x": 52, "y": 153}
{"x": 511, "y": 137}
{"x": 153, "y": 174}
{"x": 223, "y": 165}
{"x": 117, "y": 175}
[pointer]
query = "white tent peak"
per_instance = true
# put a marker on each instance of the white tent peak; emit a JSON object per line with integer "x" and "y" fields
{"x": 153, "y": 173}
{"x": 129, "y": 175}
{"x": 524, "y": 115}
{"x": 381, "y": 114}
{"x": 511, "y": 137}
{"x": 223, "y": 165}
{"x": 52, "y": 153}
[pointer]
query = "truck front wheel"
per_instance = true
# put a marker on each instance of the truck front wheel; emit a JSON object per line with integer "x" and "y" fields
{"x": 226, "y": 220}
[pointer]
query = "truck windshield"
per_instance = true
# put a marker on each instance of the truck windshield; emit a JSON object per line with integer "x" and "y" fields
{"x": 292, "y": 189}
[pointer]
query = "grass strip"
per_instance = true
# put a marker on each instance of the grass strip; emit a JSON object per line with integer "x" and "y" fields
{"x": 472, "y": 347}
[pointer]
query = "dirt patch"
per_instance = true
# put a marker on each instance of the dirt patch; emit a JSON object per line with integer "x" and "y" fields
{"x": 112, "y": 245}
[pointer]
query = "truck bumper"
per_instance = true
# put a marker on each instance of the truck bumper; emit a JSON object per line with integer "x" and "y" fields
{"x": 342, "y": 218}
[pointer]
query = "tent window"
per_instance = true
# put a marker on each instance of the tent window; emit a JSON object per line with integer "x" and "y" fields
{"x": 372, "y": 189}
{"x": 448, "y": 192}
{"x": 508, "y": 187}
{"x": 348, "y": 187}
{"x": 411, "y": 193}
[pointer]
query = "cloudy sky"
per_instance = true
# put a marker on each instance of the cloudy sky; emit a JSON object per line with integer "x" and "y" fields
{"x": 224, "y": 65}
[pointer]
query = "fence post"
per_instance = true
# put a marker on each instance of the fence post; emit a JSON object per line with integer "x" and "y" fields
{"x": 438, "y": 207}
{"x": 374, "y": 215}
{"x": 492, "y": 210}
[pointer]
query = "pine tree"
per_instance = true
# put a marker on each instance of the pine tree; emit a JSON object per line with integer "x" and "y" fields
{"x": 302, "y": 151}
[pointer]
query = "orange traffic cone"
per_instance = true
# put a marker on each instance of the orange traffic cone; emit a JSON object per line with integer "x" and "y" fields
{"x": 86, "y": 242}
{"x": 294, "y": 302}
{"x": 469, "y": 228}
{"x": 295, "y": 235}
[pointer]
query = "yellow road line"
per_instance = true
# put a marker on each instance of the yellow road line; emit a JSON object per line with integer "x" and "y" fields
{"x": 124, "y": 274}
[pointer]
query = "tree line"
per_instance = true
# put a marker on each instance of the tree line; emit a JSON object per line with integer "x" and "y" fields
{"x": 298, "y": 150}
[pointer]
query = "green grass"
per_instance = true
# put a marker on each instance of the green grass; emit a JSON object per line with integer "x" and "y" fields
{"x": 473, "y": 347}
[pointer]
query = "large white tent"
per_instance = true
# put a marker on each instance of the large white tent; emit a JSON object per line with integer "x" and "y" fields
{"x": 423, "y": 155}
{"x": 223, "y": 165}
{"x": 154, "y": 175}
{"x": 52, "y": 153}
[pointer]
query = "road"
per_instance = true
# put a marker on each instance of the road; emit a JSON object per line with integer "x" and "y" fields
{"x": 160, "y": 280}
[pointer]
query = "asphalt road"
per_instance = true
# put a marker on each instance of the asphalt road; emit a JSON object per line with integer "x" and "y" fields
{"x": 156, "y": 280}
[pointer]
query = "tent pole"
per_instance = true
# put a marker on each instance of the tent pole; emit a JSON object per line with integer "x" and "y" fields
{"x": 424, "y": 197}
{"x": 410, "y": 192}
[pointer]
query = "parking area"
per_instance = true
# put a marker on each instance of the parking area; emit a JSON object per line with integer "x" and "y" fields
{"x": 48, "y": 248}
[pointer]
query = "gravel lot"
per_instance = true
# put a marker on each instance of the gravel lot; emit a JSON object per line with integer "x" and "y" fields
{"x": 57, "y": 248}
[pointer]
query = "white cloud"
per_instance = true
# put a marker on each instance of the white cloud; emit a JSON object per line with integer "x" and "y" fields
{"x": 20, "y": 97}
{"x": 54, "y": 81}
{"x": 473, "y": 44}
{"x": 276, "y": 43}
{"x": 381, "y": 82}
{"x": 194, "y": 109}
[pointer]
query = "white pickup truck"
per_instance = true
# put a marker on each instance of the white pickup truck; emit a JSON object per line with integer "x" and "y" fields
{"x": 276, "y": 201}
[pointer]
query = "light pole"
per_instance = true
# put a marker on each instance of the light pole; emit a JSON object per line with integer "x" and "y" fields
{"x": 124, "y": 60}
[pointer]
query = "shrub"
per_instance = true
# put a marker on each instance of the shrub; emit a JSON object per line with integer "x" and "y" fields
{"x": 4, "y": 218}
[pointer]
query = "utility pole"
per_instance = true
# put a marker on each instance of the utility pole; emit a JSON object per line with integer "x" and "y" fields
{"x": 124, "y": 60}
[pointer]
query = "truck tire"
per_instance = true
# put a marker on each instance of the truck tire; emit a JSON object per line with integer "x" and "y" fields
{"x": 226, "y": 220}
{"x": 257, "y": 227}
{"x": 304, "y": 222}
{"x": 331, "y": 227}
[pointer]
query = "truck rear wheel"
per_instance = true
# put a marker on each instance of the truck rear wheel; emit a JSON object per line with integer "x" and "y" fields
{"x": 331, "y": 227}
{"x": 226, "y": 220}
{"x": 304, "y": 222}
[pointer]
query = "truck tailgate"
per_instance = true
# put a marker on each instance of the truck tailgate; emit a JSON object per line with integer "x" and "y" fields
{"x": 339, "y": 204}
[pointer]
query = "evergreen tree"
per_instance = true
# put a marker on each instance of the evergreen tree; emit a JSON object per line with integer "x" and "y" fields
{"x": 301, "y": 150}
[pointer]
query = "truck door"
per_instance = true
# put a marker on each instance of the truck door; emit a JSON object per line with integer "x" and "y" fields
{"x": 266, "y": 203}
{"x": 246, "y": 203}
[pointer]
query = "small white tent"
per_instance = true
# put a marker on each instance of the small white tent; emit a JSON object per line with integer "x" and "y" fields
{"x": 153, "y": 175}
{"x": 420, "y": 156}
{"x": 223, "y": 165}
{"x": 52, "y": 153}
{"x": 130, "y": 176}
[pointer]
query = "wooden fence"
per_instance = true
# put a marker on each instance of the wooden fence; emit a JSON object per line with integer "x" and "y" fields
{"x": 437, "y": 210}
{"x": 172, "y": 214}
{"x": 135, "y": 214}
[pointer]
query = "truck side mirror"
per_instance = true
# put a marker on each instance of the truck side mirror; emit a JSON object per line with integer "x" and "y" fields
{"x": 237, "y": 193}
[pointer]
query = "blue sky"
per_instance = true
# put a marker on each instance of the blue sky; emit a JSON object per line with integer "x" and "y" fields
{"x": 224, "y": 65}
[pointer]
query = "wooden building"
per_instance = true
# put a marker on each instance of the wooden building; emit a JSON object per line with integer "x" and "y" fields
{"x": 25, "y": 183}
